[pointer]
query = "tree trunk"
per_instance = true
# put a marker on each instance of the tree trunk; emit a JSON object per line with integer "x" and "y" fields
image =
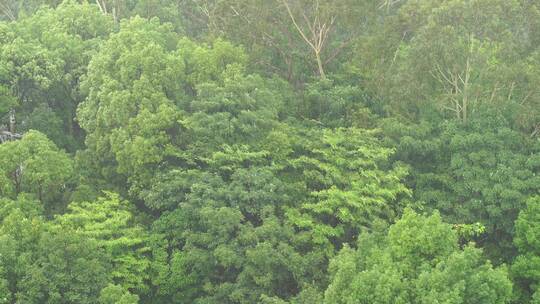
{"x": 320, "y": 65}
{"x": 12, "y": 121}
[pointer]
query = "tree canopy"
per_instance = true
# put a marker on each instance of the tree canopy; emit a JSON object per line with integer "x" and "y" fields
{"x": 275, "y": 152}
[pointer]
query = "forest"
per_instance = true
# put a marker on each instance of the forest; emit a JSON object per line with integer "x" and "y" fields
{"x": 269, "y": 151}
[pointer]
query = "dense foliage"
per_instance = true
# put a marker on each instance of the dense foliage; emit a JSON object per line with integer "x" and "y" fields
{"x": 270, "y": 151}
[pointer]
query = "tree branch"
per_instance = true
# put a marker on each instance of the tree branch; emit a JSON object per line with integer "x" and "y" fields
{"x": 300, "y": 31}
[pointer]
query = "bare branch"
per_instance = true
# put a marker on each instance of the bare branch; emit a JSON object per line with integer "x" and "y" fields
{"x": 338, "y": 50}
{"x": 300, "y": 31}
{"x": 526, "y": 98}
{"x": 7, "y": 11}
{"x": 536, "y": 130}
{"x": 102, "y": 6}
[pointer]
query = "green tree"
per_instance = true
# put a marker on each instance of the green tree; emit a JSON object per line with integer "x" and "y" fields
{"x": 7, "y": 101}
{"x": 449, "y": 56}
{"x": 526, "y": 266}
{"x": 44, "y": 56}
{"x": 482, "y": 172}
{"x": 34, "y": 164}
{"x": 349, "y": 182}
{"x": 225, "y": 231}
{"x": 154, "y": 100}
{"x": 114, "y": 294}
{"x": 65, "y": 269}
{"x": 44, "y": 264}
{"x": 110, "y": 222}
{"x": 131, "y": 88}
{"x": 417, "y": 261}
{"x": 21, "y": 226}
{"x": 11, "y": 9}
{"x": 294, "y": 39}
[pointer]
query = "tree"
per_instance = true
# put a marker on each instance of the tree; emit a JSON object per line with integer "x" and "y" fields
{"x": 417, "y": 261}
{"x": 225, "y": 231}
{"x": 11, "y": 9}
{"x": 41, "y": 263}
{"x": 526, "y": 265}
{"x": 65, "y": 269}
{"x": 44, "y": 56}
{"x": 255, "y": 151}
{"x": 34, "y": 164}
{"x": 450, "y": 55}
{"x": 294, "y": 39}
{"x": 350, "y": 184}
{"x": 7, "y": 101}
{"x": 111, "y": 223}
{"x": 334, "y": 104}
{"x": 168, "y": 102}
{"x": 168, "y": 11}
{"x": 319, "y": 30}
{"x": 131, "y": 87}
{"x": 114, "y": 294}
{"x": 481, "y": 172}
{"x": 21, "y": 226}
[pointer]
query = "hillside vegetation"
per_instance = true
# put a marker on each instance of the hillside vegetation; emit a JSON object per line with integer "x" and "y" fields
{"x": 270, "y": 151}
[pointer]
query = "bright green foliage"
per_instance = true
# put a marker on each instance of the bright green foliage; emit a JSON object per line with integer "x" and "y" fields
{"x": 114, "y": 294}
{"x": 66, "y": 269}
{"x": 468, "y": 232}
{"x": 27, "y": 66}
{"x": 418, "y": 261}
{"x": 111, "y": 224}
{"x": 34, "y": 164}
{"x": 20, "y": 230}
{"x": 350, "y": 184}
{"x": 464, "y": 278}
{"x": 138, "y": 92}
{"x": 229, "y": 214}
{"x": 168, "y": 11}
{"x": 128, "y": 114}
{"x": 41, "y": 264}
{"x": 24, "y": 203}
{"x": 206, "y": 64}
{"x": 526, "y": 266}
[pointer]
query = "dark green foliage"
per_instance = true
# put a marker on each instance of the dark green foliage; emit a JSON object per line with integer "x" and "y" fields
{"x": 479, "y": 172}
